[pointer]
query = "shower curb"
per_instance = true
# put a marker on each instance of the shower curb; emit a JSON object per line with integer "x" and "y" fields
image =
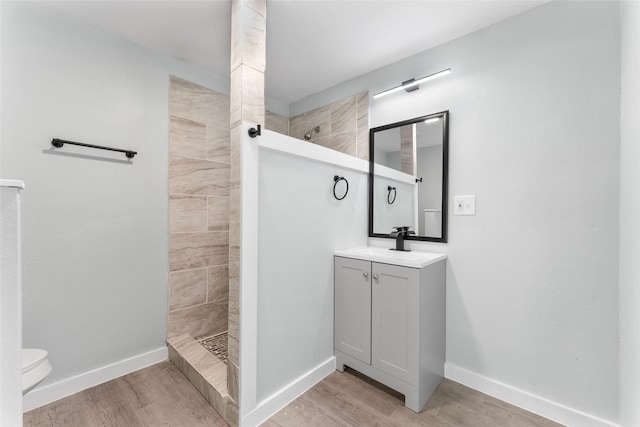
{"x": 206, "y": 372}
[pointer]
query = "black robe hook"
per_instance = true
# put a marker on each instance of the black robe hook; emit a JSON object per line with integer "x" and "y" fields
{"x": 253, "y": 132}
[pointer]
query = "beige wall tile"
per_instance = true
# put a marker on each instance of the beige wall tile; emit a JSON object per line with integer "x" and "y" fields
{"x": 343, "y": 116}
{"x": 362, "y": 144}
{"x": 248, "y": 38}
{"x": 196, "y": 250}
{"x": 187, "y": 138}
{"x": 232, "y": 380}
{"x": 343, "y": 142}
{"x": 212, "y": 369}
{"x": 362, "y": 134}
{"x": 276, "y": 123}
{"x": 234, "y": 215}
{"x": 259, "y": 6}
{"x": 247, "y": 96}
{"x": 187, "y": 213}
{"x": 252, "y": 95}
{"x": 231, "y": 413}
{"x": 199, "y": 321}
{"x": 344, "y": 125}
{"x": 196, "y": 379}
{"x": 218, "y": 283}
{"x": 193, "y": 176}
{"x": 218, "y": 213}
{"x": 408, "y": 149}
{"x": 175, "y": 358}
{"x": 301, "y": 124}
{"x": 187, "y": 288}
{"x": 235, "y": 156}
{"x": 234, "y": 319}
{"x": 218, "y": 143}
{"x": 233, "y": 350}
{"x": 236, "y": 35}
{"x": 194, "y": 102}
{"x": 235, "y": 114}
{"x": 216, "y": 400}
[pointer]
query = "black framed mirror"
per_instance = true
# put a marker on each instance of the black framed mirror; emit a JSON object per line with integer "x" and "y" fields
{"x": 408, "y": 169}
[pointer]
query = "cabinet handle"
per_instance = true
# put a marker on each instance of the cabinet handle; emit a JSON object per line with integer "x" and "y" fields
{"x": 365, "y": 274}
{"x": 375, "y": 276}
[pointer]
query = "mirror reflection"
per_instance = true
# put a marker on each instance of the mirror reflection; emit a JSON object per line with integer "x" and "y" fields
{"x": 408, "y": 177}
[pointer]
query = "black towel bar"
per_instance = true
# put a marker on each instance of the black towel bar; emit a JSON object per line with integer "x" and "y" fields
{"x": 60, "y": 142}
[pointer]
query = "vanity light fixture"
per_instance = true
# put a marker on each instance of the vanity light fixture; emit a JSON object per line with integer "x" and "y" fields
{"x": 412, "y": 84}
{"x": 432, "y": 120}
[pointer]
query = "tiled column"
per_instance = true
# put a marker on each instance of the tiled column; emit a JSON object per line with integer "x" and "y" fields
{"x": 408, "y": 149}
{"x": 248, "y": 24}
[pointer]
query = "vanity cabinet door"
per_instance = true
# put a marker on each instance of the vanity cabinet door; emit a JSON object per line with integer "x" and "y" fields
{"x": 396, "y": 321}
{"x": 353, "y": 308}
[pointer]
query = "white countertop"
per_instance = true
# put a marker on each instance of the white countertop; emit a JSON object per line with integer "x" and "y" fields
{"x": 413, "y": 259}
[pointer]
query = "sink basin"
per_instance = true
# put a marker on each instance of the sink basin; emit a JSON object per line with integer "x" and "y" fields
{"x": 414, "y": 259}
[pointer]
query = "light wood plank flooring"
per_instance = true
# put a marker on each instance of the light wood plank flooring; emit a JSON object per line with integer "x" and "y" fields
{"x": 154, "y": 396}
{"x": 351, "y": 399}
{"x": 161, "y": 395}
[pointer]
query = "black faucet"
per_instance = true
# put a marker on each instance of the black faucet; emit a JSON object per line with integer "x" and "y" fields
{"x": 400, "y": 233}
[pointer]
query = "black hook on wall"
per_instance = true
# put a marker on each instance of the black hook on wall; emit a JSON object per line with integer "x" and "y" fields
{"x": 336, "y": 180}
{"x": 390, "y": 189}
{"x": 253, "y": 132}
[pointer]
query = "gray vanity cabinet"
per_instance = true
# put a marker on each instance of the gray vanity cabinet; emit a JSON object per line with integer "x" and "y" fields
{"x": 390, "y": 324}
{"x": 395, "y": 324}
{"x": 353, "y": 308}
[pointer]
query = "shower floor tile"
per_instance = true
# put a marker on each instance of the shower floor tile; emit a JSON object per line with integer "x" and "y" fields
{"x": 216, "y": 345}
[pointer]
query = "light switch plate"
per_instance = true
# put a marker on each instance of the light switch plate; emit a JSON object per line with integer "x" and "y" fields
{"x": 464, "y": 205}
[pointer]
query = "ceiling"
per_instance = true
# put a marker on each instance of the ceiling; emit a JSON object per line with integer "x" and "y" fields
{"x": 311, "y": 45}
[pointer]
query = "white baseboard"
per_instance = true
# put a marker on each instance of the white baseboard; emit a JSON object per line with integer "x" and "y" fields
{"x": 525, "y": 400}
{"x": 49, "y": 393}
{"x": 287, "y": 394}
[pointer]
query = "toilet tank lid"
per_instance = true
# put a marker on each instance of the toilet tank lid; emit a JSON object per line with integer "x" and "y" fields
{"x": 433, "y": 210}
{"x": 15, "y": 183}
{"x": 32, "y": 357}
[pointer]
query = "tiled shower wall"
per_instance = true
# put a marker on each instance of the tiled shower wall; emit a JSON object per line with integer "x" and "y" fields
{"x": 344, "y": 125}
{"x": 198, "y": 210}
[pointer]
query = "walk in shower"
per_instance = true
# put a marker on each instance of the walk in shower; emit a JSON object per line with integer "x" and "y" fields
{"x": 199, "y": 193}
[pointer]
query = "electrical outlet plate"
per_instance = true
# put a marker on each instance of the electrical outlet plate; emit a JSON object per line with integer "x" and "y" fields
{"x": 464, "y": 205}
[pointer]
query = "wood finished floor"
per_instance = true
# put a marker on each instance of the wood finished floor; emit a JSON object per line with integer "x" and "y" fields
{"x": 351, "y": 399}
{"x": 161, "y": 395}
{"x": 154, "y": 396}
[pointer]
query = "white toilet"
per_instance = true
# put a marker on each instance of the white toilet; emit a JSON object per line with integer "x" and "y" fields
{"x": 433, "y": 222}
{"x": 35, "y": 368}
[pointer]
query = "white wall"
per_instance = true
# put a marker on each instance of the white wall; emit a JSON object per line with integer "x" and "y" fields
{"x": 400, "y": 212}
{"x": 300, "y": 225}
{"x": 532, "y": 279}
{"x": 95, "y": 230}
{"x": 629, "y": 214}
{"x": 10, "y": 304}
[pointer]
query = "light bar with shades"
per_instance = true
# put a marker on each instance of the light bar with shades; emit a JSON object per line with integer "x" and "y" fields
{"x": 412, "y": 84}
